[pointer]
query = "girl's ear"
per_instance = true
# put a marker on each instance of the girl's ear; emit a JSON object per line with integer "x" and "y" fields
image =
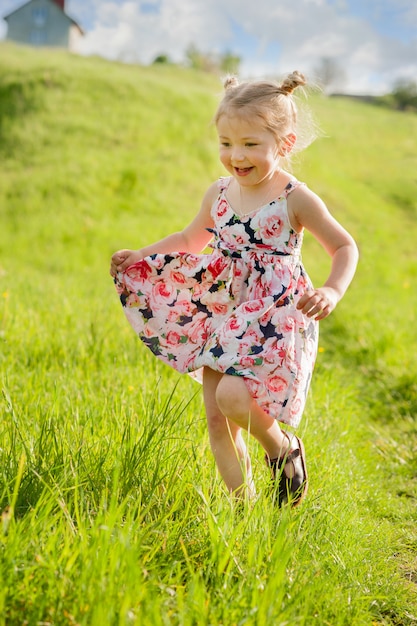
{"x": 287, "y": 144}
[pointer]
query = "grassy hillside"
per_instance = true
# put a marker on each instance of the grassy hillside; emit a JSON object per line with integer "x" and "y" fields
{"x": 117, "y": 515}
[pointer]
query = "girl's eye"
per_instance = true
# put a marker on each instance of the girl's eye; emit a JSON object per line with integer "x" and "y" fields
{"x": 251, "y": 145}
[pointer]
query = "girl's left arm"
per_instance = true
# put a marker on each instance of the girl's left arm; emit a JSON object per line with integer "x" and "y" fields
{"x": 309, "y": 211}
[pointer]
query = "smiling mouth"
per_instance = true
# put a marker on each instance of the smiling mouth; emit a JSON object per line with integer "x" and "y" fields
{"x": 242, "y": 171}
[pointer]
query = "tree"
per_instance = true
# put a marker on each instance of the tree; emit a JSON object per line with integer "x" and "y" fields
{"x": 404, "y": 94}
{"x": 200, "y": 60}
{"x": 226, "y": 63}
{"x": 162, "y": 58}
{"x": 329, "y": 74}
{"x": 229, "y": 63}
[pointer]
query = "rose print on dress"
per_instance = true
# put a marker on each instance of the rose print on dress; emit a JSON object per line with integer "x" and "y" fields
{"x": 233, "y": 309}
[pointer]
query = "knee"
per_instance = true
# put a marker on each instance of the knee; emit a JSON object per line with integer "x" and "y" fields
{"x": 233, "y": 398}
{"x": 217, "y": 425}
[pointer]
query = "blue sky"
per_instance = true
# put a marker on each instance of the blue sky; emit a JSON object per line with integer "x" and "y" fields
{"x": 373, "y": 42}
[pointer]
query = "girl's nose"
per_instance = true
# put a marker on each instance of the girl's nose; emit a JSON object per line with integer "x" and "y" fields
{"x": 237, "y": 154}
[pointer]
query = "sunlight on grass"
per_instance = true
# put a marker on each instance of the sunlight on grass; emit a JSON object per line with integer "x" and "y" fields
{"x": 112, "y": 510}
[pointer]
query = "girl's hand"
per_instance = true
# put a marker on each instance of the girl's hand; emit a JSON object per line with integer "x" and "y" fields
{"x": 318, "y": 303}
{"x": 123, "y": 259}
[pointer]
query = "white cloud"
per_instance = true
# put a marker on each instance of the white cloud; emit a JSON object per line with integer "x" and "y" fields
{"x": 375, "y": 42}
{"x": 131, "y": 29}
{"x": 290, "y": 34}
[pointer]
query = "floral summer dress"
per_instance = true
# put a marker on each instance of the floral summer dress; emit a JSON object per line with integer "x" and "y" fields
{"x": 232, "y": 310}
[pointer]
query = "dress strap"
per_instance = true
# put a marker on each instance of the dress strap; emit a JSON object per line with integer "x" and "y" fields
{"x": 293, "y": 184}
{"x": 223, "y": 183}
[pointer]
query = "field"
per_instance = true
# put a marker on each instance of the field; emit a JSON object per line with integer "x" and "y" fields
{"x": 112, "y": 510}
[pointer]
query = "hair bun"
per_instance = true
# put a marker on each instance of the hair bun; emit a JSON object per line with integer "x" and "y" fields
{"x": 294, "y": 80}
{"x": 230, "y": 82}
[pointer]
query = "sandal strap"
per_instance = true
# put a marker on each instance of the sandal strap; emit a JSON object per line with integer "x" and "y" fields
{"x": 283, "y": 460}
{"x": 294, "y": 454}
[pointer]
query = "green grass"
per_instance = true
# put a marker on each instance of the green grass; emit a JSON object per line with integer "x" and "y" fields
{"x": 116, "y": 514}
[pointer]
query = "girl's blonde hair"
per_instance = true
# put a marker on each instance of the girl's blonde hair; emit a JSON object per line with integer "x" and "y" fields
{"x": 272, "y": 102}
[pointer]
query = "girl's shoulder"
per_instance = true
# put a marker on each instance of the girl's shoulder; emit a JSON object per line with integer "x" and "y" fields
{"x": 305, "y": 206}
{"x": 301, "y": 192}
{"x": 212, "y": 193}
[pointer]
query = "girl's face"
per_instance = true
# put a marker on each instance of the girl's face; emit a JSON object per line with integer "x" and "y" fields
{"x": 247, "y": 149}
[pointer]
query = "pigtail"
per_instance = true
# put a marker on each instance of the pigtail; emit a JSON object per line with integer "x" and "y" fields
{"x": 294, "y": 80}
{"x": 230, "y": 82}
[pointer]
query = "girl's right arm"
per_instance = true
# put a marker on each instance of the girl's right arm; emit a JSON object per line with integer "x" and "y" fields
{"x": 193, "y": 238}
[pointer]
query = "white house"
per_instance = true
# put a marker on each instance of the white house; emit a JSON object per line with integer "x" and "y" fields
{"x": 43, "y": 23}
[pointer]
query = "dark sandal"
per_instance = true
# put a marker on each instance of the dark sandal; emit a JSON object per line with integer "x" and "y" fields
{"x": 291, "y": 473}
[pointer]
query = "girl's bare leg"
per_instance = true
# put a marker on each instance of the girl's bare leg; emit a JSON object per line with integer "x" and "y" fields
{"x": 234, "y": 400}
{"x": 226, "y": 441}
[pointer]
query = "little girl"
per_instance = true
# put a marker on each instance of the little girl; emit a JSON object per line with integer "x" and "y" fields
{"x": 244, "y": 318}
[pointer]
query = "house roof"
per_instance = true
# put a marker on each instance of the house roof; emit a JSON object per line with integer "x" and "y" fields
{"x": 65, "y": 13}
